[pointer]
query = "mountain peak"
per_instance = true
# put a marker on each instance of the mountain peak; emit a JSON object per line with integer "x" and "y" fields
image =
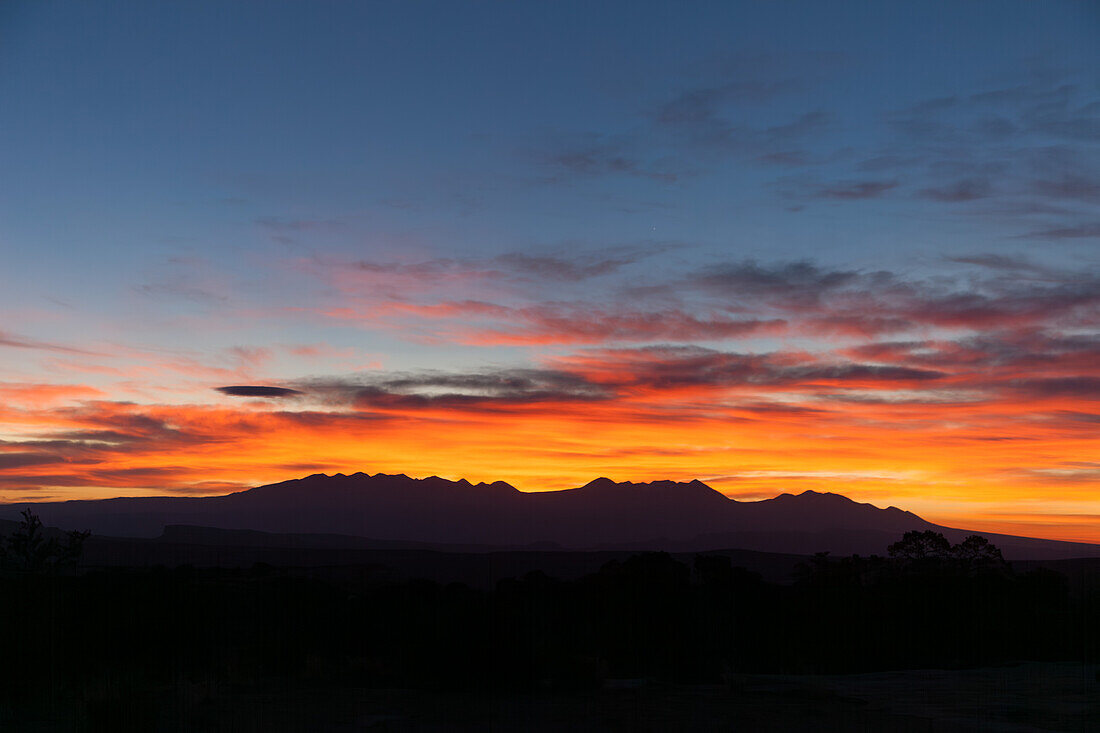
{"x": 665, "y": 490}
{"x": 605, "y": 483}
{"x": 817, "y": 497}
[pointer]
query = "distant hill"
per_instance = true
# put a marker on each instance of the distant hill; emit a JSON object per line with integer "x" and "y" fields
{"x": 396, "y": 511}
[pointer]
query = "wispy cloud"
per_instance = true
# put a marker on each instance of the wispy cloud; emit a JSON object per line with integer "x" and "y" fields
{"x": 855, "y": 190}
{"x": 15, "y": 341}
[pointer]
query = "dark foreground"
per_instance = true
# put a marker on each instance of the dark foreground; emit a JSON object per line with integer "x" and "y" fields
{"x": 1019, "y": 698}
{"x": 646, "y": 643}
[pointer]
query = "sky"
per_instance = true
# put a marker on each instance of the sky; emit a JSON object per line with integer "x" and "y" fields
{"x": 848, "y": 247}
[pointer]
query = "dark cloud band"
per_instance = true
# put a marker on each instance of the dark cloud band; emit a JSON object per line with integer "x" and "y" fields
{"x": 258, "y": 391}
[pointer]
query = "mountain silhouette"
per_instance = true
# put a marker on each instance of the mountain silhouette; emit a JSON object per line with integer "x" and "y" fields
{"x": 602, "y": 514}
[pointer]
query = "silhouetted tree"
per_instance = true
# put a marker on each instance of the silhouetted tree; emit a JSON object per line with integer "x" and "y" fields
{"x": 976, "y": 553}
{"x": 27, "y": 547}
{"x": 916, "y": 545}
{"x": 29, "y": 550}
{"x": 72, "y": 549}
{"x": 930, "y": 551}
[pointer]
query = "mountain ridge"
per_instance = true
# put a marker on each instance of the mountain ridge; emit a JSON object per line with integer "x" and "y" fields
{"x": 602, "y": 513}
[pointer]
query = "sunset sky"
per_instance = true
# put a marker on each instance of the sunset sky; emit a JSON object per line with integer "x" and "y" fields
{"x": 848, "y": 247}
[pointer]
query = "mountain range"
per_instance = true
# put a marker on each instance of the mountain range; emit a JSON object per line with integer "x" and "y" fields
{"x": 391, "y": 511}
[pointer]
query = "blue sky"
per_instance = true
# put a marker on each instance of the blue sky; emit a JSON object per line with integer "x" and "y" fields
{"x": 146, "y": 130}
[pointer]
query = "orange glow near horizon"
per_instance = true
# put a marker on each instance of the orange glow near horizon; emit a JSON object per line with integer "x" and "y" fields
{"x": 978, "y": 466}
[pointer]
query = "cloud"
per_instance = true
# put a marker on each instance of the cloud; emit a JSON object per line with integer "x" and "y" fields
{"x": 967, "y": 189}
{"x": 39, "y": 394}
{"x": 703, "y": 105}
{"x": 1069, "y": 186}
{"x": 1079, "y": 231}
{"x": 18, "y": 460}
{"x": 1080, "y": 387}
{"x": 673, "y": 368}
{"x": 277, "y": 224}
{"x": 1040, "y": 106}
{"x": 787, "y": 157}
{"x": 565, "y": 324}
{"x": 849, "y": 300}
{"x": 15, "y": 341}
{"x": 258, "y": 391}
{"x": 506, "y": 274}
{"x": 993, "y": 363}
{"x": 1078, "y": 416}
{"x": 488, "y": 324}
{"x": 679, "y": 134}
{"x": 855, "y": 190}
{"x": 1021, "y": 151}
{"x": 798, "y": 282}
{"x": 854, "y": 324}
{"x": 602, "y": 158}
{"x": 548, "y": 267}
{"x": 289, "y": 231}
{"x": 441, "y": 390}
{"x": 604, "y": 375}
{"x": 733, "y": 300}
{"x": 710, "y": 116}
{"x": 996, "y": 261}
